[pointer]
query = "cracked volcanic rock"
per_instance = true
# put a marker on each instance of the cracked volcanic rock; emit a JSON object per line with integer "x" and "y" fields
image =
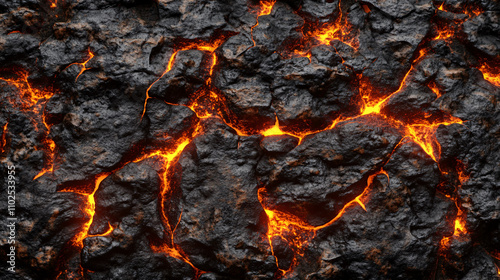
{"x": 259, "y": 139}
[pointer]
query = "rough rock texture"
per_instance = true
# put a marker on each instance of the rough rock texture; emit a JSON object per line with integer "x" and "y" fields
{"x": 259, "y": 139}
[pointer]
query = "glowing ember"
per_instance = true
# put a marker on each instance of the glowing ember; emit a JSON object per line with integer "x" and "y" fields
{"x": 29, "y": 96}
{"x": 169, "y": 158}
{"x": 89, "y": 210}
{"x": 373, "y": 106}
{"x": 188, "y": 45}
{"x": 459, "y": 224}
{"x": 445, "y": 34}
{"x": 31, "y": 100}
{"x": 84, "y": 64}
{"x": 491, "y": 74}
{"x": 106, "y": 233}
{"x": 266, "y": 7}
{"x": 4, "y": 138}
{"x": 424, "y": 135}
{"x": 435, "y": 89}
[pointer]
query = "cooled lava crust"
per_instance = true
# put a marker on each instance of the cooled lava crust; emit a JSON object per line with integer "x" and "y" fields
{"x": 246, "y": 139}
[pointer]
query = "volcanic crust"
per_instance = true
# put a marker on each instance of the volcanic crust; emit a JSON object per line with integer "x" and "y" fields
{"x": 216, "y": 139}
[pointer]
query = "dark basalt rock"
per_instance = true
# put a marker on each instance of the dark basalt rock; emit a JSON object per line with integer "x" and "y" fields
{"x": 218, "y": 189}
{"x": 372, "y": 243}
{"x": 168, "y": 122}
{"x": 315, "y": 180}
{"x": 188, "y": 73}
{"x": 191, "y": 189}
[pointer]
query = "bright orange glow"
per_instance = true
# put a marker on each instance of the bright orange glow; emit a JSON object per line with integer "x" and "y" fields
{"x": 298, "y": 233}
{"x": 470, "y": 10}
{"x": 90, "y": 211}
{"x": 323, "y": 34}
{"x": 463, "y": 176}
{"x": 4, "y": 138}
{"x": 445, "y": 34}
{"x": 335, "y": 31}
{"x": 50, "y": 147}
{"x": 31, "y": 100}
{"x": 266, "y": 7}
{"x": 373, "y": 106}
{"x": 473, "y": 11}
{"x": 275, "y": 130}
{"x": 49, "y": 163}
{"x": 169, "y": 158}
{"x": 360, "y": 199}
{"x": 53, "y": 4}
{"x": 424, "y": 135}
{"x": 491, "y": 74}
{"x": 210, "y": 46}
{"x": 108, "y": 232}
{"x": 29, "y": 96}
{"x": 421, "y": 132}
{"x": 460, "y": 229}
{"x": 214, "y": 62}
{"x": 434, "y": 89}
{"x": 207, "y": 101}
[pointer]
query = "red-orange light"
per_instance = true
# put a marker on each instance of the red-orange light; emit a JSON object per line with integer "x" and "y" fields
{"x": 4, "y": 138}
{"x": 491, "y": 74}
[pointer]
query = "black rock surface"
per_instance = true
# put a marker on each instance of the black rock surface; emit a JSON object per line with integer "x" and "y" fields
{"x": 259, "y": 139}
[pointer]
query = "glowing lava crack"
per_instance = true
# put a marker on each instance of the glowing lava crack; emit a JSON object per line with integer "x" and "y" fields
{"x": 265, "y": 107}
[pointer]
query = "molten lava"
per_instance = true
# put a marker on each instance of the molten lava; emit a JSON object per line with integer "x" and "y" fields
{"x": 208, "y": 102}
{"x": 208, "y": 46}
{"x": 106, "y": 233}
{"x": 3, "y": 142}
{"x": 491, "y": 74}
{"x": 84, "y": 64}
{"x": 266, "y": 7}
{"x": 317, "y": 33}
{"x": 89, "y": 208}
{"x": 29, "y": 98}
{"x": 169, "y": 158}
{"x": 32, "y": 100}
{"x": 298, "y": 233}
{"x": 434, "y": 89}
{"x": 460, "y": 229}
